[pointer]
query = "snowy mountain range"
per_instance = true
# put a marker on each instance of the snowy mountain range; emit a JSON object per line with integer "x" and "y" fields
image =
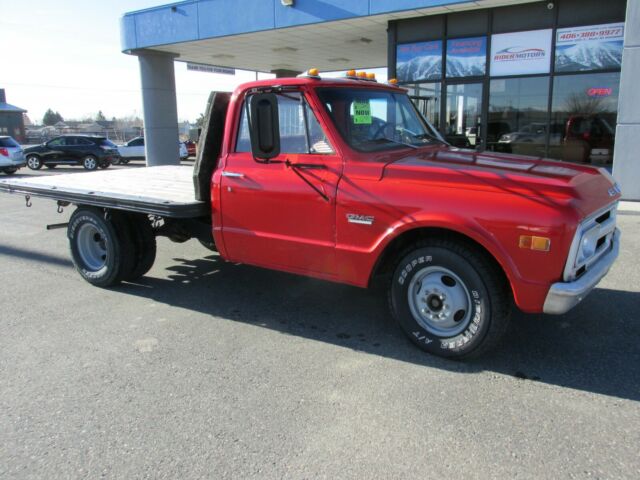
{"x": 465, "y": 66}
{"x": 589, "y": 56}
{"x": 420, "y": 68}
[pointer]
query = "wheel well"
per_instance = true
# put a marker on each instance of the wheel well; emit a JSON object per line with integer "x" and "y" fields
{"x": 385, "y": 264}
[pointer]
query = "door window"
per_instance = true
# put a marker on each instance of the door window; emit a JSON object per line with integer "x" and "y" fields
{"x": 56, "y": 142}
{"x": 300, "y": 131}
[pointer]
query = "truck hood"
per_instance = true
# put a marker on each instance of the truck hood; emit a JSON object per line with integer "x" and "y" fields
{"x": 549, "y": 181}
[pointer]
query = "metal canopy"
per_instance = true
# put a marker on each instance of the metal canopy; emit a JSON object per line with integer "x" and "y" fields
{"x": 356, "y": 42}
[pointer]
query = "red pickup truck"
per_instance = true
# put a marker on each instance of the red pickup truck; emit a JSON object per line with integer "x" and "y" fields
{"x": 343, "y": 180}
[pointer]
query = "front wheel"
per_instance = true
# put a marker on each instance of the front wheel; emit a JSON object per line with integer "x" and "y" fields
{"x": 90, "y": 162}
{"x": 34, "y": 162}
{"x": 450, "y": 299}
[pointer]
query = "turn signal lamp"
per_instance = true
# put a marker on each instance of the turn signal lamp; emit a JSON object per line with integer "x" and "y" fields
{"x": 362, "y": 75}
{"x": 371, "y": 76}
{"x": 393, "y": 81}
{"x": 351, "y": 73}
{"x": 531, "y": 242}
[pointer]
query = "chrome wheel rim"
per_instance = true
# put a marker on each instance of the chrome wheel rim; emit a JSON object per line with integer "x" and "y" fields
{"x": 90, "y": 163}
{"x": 92, "y": 247}
{"x": 440, "y": 301}
{"x": 33, "y": 162}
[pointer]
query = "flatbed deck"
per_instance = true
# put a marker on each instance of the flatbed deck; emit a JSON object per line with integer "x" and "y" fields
{"x": 167, "y": 191}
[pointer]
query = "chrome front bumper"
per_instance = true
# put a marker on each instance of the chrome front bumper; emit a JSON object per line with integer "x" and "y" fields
{"x": 562, "y": 297}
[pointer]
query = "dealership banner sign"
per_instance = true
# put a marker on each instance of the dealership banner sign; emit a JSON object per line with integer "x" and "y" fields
{"x": 595, "y": 47}
{"x": 522, "y": 53}
{"x": 466, "y": 57}
{"x": 199, "y": 67}
{"x": 419, "y": 61}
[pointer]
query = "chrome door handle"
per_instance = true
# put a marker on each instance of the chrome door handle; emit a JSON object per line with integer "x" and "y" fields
{"x": 232, "y": 174}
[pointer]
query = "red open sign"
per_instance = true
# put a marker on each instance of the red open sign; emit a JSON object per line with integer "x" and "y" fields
{"x": 599, "y": 92}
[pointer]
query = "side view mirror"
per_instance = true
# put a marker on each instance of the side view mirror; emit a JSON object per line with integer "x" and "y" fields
{"x": 264, "y": 126}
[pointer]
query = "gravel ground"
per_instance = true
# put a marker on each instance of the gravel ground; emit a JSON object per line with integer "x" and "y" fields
{"x": 208, "y": 369}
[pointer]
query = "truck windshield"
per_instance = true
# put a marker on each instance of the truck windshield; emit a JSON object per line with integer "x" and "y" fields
{"x": 372, "y": 120}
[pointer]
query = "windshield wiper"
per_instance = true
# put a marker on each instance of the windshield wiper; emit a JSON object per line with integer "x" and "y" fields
{"x": 394, "y": 141}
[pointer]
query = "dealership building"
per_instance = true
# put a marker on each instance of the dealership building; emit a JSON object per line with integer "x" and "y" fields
{"x": 544, "y": 78}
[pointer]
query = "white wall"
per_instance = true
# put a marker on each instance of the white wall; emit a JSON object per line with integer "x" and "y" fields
{"x": 626, "y": 162}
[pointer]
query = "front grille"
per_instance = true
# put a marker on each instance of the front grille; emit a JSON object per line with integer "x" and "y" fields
{"x": 597, "y": 229}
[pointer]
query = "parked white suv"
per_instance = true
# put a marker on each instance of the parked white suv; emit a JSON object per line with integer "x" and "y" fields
{"x": 134, "y": 150}
{"x": 11, "y": 155}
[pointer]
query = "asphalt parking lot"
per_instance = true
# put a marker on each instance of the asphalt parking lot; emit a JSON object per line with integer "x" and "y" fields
{"x": 209, "y": 369}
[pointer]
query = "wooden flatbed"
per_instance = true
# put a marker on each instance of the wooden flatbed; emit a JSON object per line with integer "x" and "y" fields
{"x": 167, "y": 191}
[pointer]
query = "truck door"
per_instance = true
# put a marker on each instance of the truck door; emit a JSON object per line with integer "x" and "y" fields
{"x": 282, "y": 214}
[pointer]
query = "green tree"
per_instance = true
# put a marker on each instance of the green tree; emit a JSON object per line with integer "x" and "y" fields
{"x": 51, "y": 118}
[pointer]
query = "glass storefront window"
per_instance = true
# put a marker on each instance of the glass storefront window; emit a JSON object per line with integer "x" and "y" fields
{"x": 463, "y": 114}
{"x": 517, "y": 117}
{"x": 426, "y": 98}
{"x": 584, "y": 113}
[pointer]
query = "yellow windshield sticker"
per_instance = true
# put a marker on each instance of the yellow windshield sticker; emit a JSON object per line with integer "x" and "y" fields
{"x": 361, "y": 113}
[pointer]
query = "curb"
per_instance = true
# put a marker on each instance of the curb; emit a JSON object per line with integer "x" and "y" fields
{"x": 627, "y": 206}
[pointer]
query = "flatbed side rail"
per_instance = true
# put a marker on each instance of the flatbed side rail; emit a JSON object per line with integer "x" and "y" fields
{"x": 165, "y": 208}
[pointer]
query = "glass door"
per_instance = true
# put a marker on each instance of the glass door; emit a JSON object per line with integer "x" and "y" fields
{"x": 463, "y": 115}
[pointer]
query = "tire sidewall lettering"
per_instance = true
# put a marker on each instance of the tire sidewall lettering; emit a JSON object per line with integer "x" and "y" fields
{"x": 478, "y": 324}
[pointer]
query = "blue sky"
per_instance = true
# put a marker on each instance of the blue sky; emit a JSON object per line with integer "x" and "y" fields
{"x": 65, "y": 55}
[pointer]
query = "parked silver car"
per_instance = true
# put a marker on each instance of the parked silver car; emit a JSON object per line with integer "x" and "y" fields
{"x": 134, "y": 150}
{"x": 11, "y": 155}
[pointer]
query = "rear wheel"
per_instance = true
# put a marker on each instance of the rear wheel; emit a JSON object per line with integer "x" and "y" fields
{"x": 10, "y": 171}
{"x": 104, "y": 165}
{"x": 90, "y": 162}
{"x": 101, "y": 250}
{"x": 143, "y": 241}
{"x": 51, "y": 166}
{"x": 34, "y": 162}
{"x": 450, "y": 299}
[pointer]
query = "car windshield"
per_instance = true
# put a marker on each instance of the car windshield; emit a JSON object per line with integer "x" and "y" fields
{"x": 372, "y": 120}
{"x": 108, "y": 143}
{"x": 8, "y": 142}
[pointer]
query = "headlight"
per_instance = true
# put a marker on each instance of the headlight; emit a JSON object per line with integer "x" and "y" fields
{"x": 588, "y": 244}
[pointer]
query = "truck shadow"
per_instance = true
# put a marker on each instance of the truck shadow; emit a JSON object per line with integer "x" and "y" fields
{"x": 592, "y": 348}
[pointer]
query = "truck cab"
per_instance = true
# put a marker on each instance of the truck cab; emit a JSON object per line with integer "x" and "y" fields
{"x": 352, "y": 184}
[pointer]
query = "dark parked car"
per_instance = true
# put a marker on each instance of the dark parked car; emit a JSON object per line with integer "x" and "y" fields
{"x": 89, "y": 151}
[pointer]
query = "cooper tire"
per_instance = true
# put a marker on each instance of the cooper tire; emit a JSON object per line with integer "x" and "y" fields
{"x": 34, "y": 162}
{"x": 449, "y": 299}
{"x": 100, "y": 248}
{"x": 144, "y": 245}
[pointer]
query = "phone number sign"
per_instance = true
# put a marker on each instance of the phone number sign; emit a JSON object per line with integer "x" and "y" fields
{"x": 609, "y": 32}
